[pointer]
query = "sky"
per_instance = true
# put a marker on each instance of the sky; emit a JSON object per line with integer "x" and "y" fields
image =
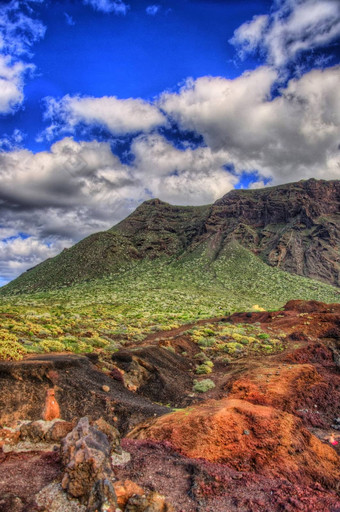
{"x": 107, "y": 103}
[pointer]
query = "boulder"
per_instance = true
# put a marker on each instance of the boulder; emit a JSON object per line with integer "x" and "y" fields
{"x": 86, "y": 455}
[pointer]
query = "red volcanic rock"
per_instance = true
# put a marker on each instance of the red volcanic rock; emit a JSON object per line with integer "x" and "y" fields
{"x": 311, "y": 306}
{"x": 247, "y": 437}
{"x": 289, "y": 387}
{"x": 52, "y": 410}
{"x": 300, "y": 320}
{"x": 125, "y": 490}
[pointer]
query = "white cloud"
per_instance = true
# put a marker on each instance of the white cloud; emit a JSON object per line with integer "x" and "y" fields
{"x": 152, "y": 10}
{"x": 107, "y": 6}
{"x": 18, "y": 254}
{"x": 293, "y": 136}
{"x": 18, "y": 32}
{"x": 292, "y": 27}
{"x": 119, "y": 116}
{"x": 11, "y": 142}
{"x": 190, "y": 176}
{"x": 78, "y": 188}
{"x": 59, "y": 196}
{"x": 12, "y": 76}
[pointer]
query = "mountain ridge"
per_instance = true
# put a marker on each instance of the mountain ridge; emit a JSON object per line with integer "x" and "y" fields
{"x": 293, "y": 227}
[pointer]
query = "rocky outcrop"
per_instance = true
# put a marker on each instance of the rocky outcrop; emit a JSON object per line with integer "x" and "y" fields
{"x": 86, "y": 456}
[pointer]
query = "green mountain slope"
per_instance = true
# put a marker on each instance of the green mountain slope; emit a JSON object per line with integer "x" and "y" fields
{"x": 150, "y": 295}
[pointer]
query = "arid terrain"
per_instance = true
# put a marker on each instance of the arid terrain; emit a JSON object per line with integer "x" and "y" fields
{"x": 262, "y": 439}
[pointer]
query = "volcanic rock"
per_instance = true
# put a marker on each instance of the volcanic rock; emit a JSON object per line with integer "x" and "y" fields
{"x": 86, "y": 457}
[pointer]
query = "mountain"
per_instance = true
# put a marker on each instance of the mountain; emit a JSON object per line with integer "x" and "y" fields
{"x": 293, "y": 227}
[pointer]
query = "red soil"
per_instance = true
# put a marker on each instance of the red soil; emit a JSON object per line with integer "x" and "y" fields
{"x": 247, "y": 437}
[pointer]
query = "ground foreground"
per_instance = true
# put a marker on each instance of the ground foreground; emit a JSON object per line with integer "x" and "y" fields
{"x": 238, "y": 413}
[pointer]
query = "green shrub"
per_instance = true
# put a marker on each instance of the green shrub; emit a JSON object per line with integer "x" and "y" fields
{"x": 206, "y": 342}
{"x": 52, "y": 345}
{"x": 202, "y": 386}
{"x": 9, "y": 346}
{"x": 204, "y": 368}
{"x": 263, "y": 336}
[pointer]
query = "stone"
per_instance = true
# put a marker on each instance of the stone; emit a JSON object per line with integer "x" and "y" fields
{"x": 59, "y": 430}
{"x": 151, "y": 503}
{"x": 51, "y": 410}
{"x": 111, "y": 432}
{"x": 103, "y": 497}
{"x": 52, "y": 498}
{"x": 105, "y": 388}
{"x": 86, "y": 456}
{"x": 125, "y": 490}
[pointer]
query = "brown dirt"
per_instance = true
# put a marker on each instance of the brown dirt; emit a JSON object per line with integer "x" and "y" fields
{"x": 78, "y": 386}
{"x": 23, "y": 475}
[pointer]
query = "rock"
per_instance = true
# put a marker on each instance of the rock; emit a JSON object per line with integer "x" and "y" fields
{"x": 105, "y": 388}
{"x": 59, "y": 430}
{"x": 123, "y": 356}
{"x": 45, "y": 431}
{"x": 52, "y": 498}
{"x": 102, "y": 497}
{"x": 111, "y": 432}
{"x": 52, "y": 409}
{"x": 151, "y": 503}
{"x": 86, "y": 456}
{"x": 125, "y": 490}
{"x": 35, "y": 431}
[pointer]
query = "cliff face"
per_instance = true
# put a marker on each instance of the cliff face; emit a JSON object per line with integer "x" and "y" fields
{"x": 295, "y": 227}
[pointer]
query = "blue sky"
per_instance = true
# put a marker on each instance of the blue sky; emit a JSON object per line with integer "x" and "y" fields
{"x": 136, "y": 55}
{"x": 106, "y": 103}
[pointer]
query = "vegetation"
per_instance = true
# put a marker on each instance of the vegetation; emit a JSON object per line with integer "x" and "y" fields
{"x": 153, "y": 295}
{"x": 234, "y": 340}
{"x": 202, "y": 386}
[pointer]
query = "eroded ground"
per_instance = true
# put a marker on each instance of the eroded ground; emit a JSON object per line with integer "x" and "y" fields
{"x": 239, "y": 414}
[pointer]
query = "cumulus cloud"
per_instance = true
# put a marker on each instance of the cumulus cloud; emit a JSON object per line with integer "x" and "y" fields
{"x": 18, "y": 32}
{"x": 292, "y": 27}
{"x": 291, "y": 136}
{"x": 59, "y": 196}
{"x": 152, "y": 10}
{"x": 190, "y": 176}
{"x": 107, "y": 6}
{"x": 17, "y": 254}
{"x": 119, "y": 116}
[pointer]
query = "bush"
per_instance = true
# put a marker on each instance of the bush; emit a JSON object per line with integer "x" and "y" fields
{"x": 202, "y": 386}
{"x": 206, "y": 342}
{"x": 263, "y": 336}
{"x": 204, "y": 368}
{"x": 9, "y": 346}
{"x": 52, "y": 346}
